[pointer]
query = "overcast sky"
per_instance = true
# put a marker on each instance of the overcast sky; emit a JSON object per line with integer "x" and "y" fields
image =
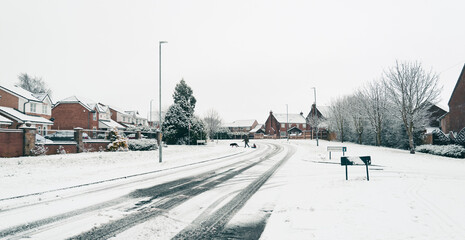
{"x": 242, "y": 58}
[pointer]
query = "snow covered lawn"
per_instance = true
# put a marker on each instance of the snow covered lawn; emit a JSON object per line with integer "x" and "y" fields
{"x": 408, "y": 196}
{"x": 25, "y": 175}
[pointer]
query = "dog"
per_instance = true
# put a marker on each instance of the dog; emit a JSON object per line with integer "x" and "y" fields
{"x": 233, "y": 145}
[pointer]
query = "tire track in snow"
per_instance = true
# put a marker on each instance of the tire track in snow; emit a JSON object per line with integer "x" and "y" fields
{"x": 212, "y": 227}
{"x": 169, "y": 195}
{"x": 152, "y": 210}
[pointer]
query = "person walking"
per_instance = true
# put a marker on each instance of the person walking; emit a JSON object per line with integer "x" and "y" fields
{"x": 246, "y": 141}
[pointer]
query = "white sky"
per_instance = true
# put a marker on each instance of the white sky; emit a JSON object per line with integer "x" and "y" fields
{"x": 242, "y": 58}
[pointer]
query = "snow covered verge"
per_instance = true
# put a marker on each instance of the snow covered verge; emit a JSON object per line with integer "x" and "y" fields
{"x": 25, "y": 175}
{"x": 409, "y": 196}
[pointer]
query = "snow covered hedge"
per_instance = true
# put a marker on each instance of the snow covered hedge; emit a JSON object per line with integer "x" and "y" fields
{"x": 142, "y": 144}
{"x": 452, "y": 150}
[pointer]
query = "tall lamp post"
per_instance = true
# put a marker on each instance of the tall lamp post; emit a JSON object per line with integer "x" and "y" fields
{"x": 287, "y": 127}
{"x": 159, "y": 102}
{"x": 150, "y": 117}
{"x": 315, "y": 115}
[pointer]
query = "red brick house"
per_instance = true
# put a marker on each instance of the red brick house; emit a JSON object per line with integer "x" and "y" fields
{"x": 279, "y": 124}
{"x": 21, "y": 106}
{"x": 74, "y": 112}
{"x": 454, "y": 120}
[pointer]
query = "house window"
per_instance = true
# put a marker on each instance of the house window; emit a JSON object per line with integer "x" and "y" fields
{"x": 305, "y": 125}
{"x": 124, "y": 119}
{"x": 44, "y": 109}
{"x": 95, "y": 116}
{"x": 45, "y": 130}
{"x": 39, "y": 129}
{"x": 283, "y": 125}
{"x": 33, "y": 107}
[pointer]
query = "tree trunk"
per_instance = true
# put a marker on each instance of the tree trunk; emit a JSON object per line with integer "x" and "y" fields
{"x": 410, "y": 138}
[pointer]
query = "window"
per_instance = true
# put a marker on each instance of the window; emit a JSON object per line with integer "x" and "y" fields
{"x": 33, "y": 107}
{"x": 44, "y": 109}
{"x": 39, "y": 130}
{"x": 305, "y": 125}
{"x": 45, "y": 130}
{"x": 95, "y": 116}
{"x": 283, "y": 125}
{"x": 124, "y": 119}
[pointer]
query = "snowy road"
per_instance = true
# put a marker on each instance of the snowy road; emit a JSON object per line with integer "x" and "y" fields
{"x": 282, "y": 190}
{"x": 106, "y": 208}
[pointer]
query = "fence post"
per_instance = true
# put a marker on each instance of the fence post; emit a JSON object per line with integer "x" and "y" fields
{"x": 138, "y": 134}
{"x": 29, "y": 142}
{"x": 78, "y": 139}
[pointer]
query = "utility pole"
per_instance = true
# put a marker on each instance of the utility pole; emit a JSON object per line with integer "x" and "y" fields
{"x": 287, "y": 127}
{"x": 315, "y": 116}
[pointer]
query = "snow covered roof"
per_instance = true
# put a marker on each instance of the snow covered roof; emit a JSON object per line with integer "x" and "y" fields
{"x": 20, "y": 92}
{"x": 241, "y": 123}
{"x": 108, "y": 124}
{"x": 5, "y": 121}
{"x": 22, "y": 118}
{"x": 256, "y": 128}
{"x": 324, "y": 110}
{"x": 87, "y": 103}
{"x": 293, "y": 118}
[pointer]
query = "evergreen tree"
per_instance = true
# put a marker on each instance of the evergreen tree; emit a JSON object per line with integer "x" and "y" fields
{"x": 180, "y": 122}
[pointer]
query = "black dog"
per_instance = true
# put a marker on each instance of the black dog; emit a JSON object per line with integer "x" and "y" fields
{"x": 233, "y": 145}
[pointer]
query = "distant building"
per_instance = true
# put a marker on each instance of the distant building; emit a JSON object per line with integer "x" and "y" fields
{"x": 240, "y": 128}
{"x": 318, "y": 117}
{"x": 280, "y": 125}
{"x": 454, "y": 120}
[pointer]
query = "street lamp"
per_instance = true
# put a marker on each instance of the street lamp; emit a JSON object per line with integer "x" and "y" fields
{"x": 287, "y": 128}
{"x": 315, "y": 116}
{"x": 150, "y": 117}
{"x": 159, "y": 106}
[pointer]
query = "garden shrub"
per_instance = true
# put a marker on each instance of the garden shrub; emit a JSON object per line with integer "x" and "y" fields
{"x": 451, "y": 150}
{"x": 142, "y": 144}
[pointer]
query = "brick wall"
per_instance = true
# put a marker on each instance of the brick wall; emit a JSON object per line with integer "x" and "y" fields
{"x": 72, "y": 115}
{"x": 8, "y": 100}
{"x": 11, "y": 143}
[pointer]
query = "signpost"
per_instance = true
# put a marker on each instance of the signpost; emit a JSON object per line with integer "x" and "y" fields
{"x": 345, "y": 161}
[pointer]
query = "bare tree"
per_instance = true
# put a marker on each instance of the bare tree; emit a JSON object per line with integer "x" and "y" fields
{"x": 374, "y": 101}
{"x": 33, "y": 84}
{"x": 213, "y": 122}
{"x": 315, "y": 119}
{"x": 338, "y": 115}
{"x": 411, "y": 91}
{"x": 357, "y": 117}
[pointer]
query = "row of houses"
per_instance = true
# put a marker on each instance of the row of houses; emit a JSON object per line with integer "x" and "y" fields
{"x": 282, "y": 125}
{"x": 19, "y": 106}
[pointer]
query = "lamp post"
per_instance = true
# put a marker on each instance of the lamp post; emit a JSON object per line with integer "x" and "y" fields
{"x": 150, "y": 117}
{"x": 287, "y": 127}
{"x": 315, "y": 116}
{"x": 159, "y": 102}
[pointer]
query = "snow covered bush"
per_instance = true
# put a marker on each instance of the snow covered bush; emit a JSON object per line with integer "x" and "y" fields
{"x": 142, "y": 144}
{"x": 118, "y": 142}
{"x": 61, "y": 150}
{"x": 451, "y": 150}
{"x": 39, "y": 150}
{"x": 460, "y": 137}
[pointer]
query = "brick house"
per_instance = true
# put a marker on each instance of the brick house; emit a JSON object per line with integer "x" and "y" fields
{"x": 27, "y": 106}
{"x": 240, "y": 128}
{"x": 73, "y": 112}
{"x": 454, "y": 120}
{"x": 318, "y": 116}
{"x": 279, "y": 124}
